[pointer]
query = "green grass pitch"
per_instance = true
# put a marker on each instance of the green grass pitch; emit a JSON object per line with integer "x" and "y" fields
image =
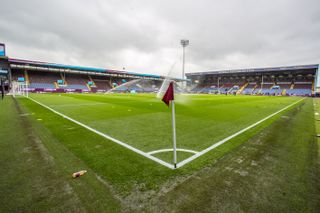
{"x": 144, "y": 122}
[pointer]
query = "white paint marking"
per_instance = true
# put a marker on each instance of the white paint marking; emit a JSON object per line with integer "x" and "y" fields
{"x": 170, "y": 150}
{"x": 108, "y": 137}
{"x": 25, "y": 114}
{"x": 149, "y": 155}
{"x": 184, "y": 162}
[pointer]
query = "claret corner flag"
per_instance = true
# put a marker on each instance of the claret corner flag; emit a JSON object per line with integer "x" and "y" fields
{"x": 168, "y": 96}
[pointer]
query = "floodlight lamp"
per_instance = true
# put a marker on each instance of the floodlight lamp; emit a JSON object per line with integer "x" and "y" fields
{"x": 184, "y": 42}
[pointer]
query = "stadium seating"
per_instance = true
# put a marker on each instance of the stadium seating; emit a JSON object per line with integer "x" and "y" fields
{"x": 301, "y": 88}
{"x": 39, "y": 77}
{"x": 76, "y": 82}
{"x": 76, "y": 86}
{"x": 249, "y": 88}
{"x": 270, "y": 86}
{"x": 41, "y": 86}
{"x": 101, "y": 83}
{"x": 299, "y": 92}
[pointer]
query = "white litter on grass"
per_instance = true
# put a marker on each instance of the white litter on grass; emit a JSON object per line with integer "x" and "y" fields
{"x": 285, "y": 117}
{"x": 229, "y": 168}
{"x": 228, "y": 183}
{"x": 316, "y": 113}
{"x": 254, "y": 163}
{"x": 241, "y": 172}
{"x": 39, "y": 119}
{"x": 239, "y": 160}
{"x": 25, "y": 114}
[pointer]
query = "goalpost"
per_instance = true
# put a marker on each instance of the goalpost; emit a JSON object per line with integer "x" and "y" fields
{"x": 20, "y": 88}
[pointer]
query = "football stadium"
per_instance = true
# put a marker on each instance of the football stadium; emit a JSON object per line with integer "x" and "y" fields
{"x": 107, "y": 106}
{"x": 111, "y": 124}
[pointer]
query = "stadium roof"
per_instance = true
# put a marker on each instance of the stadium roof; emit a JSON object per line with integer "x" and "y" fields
{"x": 255, "y": 70}
{"x": 77, "y": 68}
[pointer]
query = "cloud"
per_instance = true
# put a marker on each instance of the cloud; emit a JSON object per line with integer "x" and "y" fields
{"x": 143, "y": 36}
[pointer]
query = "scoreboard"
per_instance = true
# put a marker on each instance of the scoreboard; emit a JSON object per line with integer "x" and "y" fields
{"x": 2, "y": 50}
{"x": 4, "y": 62}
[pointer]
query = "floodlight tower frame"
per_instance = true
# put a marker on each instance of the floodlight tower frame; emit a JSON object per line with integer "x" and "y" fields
{"x": 184, "y": 43}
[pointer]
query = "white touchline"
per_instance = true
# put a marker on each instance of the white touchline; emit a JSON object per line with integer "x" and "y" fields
{"x": 149, "y": 154}
{"x": 184, "y": 162}
{"x": 108, "y": 137}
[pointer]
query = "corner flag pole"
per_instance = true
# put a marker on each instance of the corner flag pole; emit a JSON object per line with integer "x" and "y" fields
{"x": 174, "y": 135}
{"x": 167, "y": 98}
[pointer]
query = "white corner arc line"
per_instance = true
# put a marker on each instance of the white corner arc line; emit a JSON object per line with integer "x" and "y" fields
{"x": 168, "y": 165}
{"x": 171, "y": 150}
{"x": 193, "y": 157}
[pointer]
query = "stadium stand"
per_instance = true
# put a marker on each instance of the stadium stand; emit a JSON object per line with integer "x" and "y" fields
{"x": 292, "y": 80}
{"x": 45, "y": 77}
{"x": 48, "y": 77}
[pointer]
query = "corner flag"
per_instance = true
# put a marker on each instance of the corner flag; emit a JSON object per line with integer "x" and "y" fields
{"x": 169, "y": 96}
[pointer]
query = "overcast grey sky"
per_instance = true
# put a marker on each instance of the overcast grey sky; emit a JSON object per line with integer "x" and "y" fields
{"x": 144, "y": 35}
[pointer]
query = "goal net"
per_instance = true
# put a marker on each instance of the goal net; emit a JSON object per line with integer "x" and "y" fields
{"x": 19, "y": 89}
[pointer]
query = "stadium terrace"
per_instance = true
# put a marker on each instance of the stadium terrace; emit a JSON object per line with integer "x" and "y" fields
{"x": 299, "y": 80}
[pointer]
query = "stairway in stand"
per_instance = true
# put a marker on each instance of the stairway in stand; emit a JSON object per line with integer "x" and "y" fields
{"x": 64, "y": 80}
{"x": 284, "y": 92}
{"x": 26, "y": 76}
{"x": 242, "y": 88}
